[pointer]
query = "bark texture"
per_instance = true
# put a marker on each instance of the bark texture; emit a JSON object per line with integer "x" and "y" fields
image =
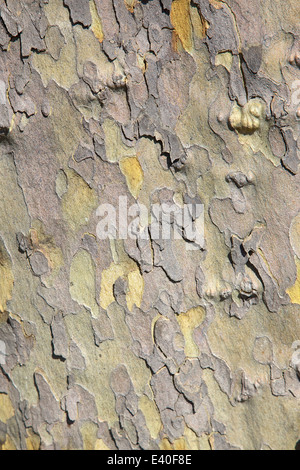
{"x": 133, "y": 343}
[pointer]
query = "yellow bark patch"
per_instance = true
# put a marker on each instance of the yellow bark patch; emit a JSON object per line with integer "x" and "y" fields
{"x": 100, "y": 445}
{"x": 6, "y": 408}
{"x": 181, "y": 20}
{"x": 96, "y": 22}
{"x": 199, "y": 23}
{"x": 23, "y": 121}
{"x": 136, "y": 288}
{"x": 108, "y": 278}
{"x": 132, "y": 170}
{"x": 8, "y": 444}
{"x": 178, "y": 444}
{"x": 188, "y": 321}
{"x": 274, "y": 55}
{"x": 45, "y": 243}
{"x": 62, "y": 71}
{"x": 294, "y": 291}
{"x": 151, "y": 414}
{"x": 194, "y": 442}
{"x": 78, "y": 202}
{"x": 114, "y": 146}
{"x": 33, "y": 441}
{"x": 225, "y": 59}
{"x": 82, "y": 281}
{"x": 89, "y": 435}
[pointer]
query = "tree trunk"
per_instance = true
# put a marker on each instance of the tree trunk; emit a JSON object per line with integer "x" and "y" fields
{"x": 150, "y": 224}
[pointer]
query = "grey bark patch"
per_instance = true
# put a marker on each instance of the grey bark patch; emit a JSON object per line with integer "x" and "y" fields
{"x": 11, "y": 22}
{"x": 143, "y": 434}
{"x": 183, "y": 407}
{"x": 220, "y": 443}
{"x": 39, "y": 263}
{"x": 45, "y": 108}
{"x": 173, "y": 424}
{"x": 87, "y": 409}
{"x": 221, "y": 36}
{"x": 60, "y": 337}
{"x": 30, "y": 37}
{"x": 200, "y": 279}
{"x": 188, "y": 381}
{"x": 48, "y": 405}
{"x": 91, "y": 77}
{"x": 99, "y": 147}
{"x": 237, "y": 88}
{"x": 263, "y": 350}
{"x": 54, "y": 41}
{"x": 238, "y": 200}
{"x": 5, "y": 117}
{"x": 4, "y": 120}
{"x": 199, "y": 421}
{"x": 79, "y": 12}
{"x": 85, "y": 167}
{"x": 102, "y": 329}
{"x": 278, "y": 387}
{"x": 3, "y": 431}
{"x": 292, "y": 382}
{"x": 82, "y": 153}
{"x": 170, "y": 109}
{"x": 206, "y": 361}
{"x": 291, "y": 158}
{"x": 108, "y": 18}
{"x": 222, "y": 375}
{"x": 120, "y": 381}
{"x": 277, "y": 141}
{"x": 253, "y": 57}
{"x": 165, "y": 258}
{"x": 164, "y": 391}
{"x": 126, "y": 21}
{"x": 22, "y": 79}
{"x": 169, "y": 340}
{"x": 239, "y": 178}
{"x": 4, "y": 37}
{"x": 23, "y": 104}
{"x": 140, "y": 326}
{"x": 25, "y": 334}
{"x": 75, "y": 360}
{"x": 231, "y": 223}
{"x": 69, "y": 404}
{"x": 271, "y": 296}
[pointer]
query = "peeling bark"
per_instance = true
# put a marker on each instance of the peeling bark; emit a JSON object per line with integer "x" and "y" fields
{"x": 145, "y": 342}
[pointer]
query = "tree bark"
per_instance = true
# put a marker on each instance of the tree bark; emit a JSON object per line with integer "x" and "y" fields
{"x": 112, "y": 110}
